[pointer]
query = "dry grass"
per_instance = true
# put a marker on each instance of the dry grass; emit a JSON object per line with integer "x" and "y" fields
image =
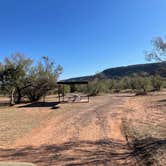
{"x": 14, "y": 124}
{"x": 33, "y": 126}
{"x": 147, "y": 136}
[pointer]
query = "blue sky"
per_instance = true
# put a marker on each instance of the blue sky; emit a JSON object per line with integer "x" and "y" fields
{"x": 84, "y": 36}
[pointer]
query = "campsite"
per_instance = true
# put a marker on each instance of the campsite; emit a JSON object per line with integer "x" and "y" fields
{"x": 82, "y": 83}
{"x": 101, "y": 131}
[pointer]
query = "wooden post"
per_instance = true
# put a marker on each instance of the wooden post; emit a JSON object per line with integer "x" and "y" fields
{"x": 88, "y": 93}
{"x": 59, "y": 94}
{"x": 63, "y": 93}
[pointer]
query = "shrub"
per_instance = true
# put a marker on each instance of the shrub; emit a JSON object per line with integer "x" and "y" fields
{"x": 42, "y": 79}
{"x": 156, "y": 82}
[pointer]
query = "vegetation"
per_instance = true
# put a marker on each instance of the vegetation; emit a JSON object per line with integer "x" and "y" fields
{"x": 139, "y": 84}
{"x": 43, "y": 78}
{"x": 158, "y": 52}
{"x": 146, "y": 138}
{"x": 14, "y": 75}
{"x": 20, "y": 78}
{"x": 137, "y": 78}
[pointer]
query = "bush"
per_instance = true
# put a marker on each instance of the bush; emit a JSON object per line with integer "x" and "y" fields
{"x": 97, "y": 87}
{"x": 139, "y": 84}
{"x": 156, "y": 83}
{"x": 42, "y": 79}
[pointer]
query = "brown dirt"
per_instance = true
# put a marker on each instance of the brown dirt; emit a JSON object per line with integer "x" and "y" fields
{"x": 91, "y": 121}
{"x": 76, "y": 134}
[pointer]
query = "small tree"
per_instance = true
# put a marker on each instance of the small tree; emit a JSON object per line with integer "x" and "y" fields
{"x": 93, "y": 88}
{"x": 158, "y": 52}
{"x": 13, "y": 76}
{"x": 142, "y": 84}
{"x": 133, "y": 83}
{"x": 19, "y": 78}
{"x": 111, "y": 83}
{"x": 156, "y": 82}
{"x": 42, "y": 78}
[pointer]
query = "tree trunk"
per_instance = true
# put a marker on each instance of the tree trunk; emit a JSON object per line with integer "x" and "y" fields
{"x": 12, "y": 102}
{"x": 17, "y": 96}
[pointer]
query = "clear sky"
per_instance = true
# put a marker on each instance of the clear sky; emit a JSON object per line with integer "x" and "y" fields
{"x": 84, "y": 36}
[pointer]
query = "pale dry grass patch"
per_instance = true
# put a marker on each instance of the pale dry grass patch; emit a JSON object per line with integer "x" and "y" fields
{"x": 147, "y": 136}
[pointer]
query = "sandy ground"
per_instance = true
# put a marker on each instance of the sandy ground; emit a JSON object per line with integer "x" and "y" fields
{"x": 79, "y": 134}
{"x": 100, "y": 119}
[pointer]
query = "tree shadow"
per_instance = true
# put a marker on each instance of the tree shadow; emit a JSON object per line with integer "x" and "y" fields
{"x": 4, "y": 104}
{"x": 149, "y": 150}
{"x": 78, "y": 153}
{"x": 102, "y": 152}
{"x": 41, "y": 104}
{"x": 162, "y": 101}
{"x": 125, "y": 95}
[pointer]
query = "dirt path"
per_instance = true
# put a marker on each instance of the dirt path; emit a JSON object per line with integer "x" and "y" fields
{"x": 77, "y": 134}
{"x": 86, "y": 122}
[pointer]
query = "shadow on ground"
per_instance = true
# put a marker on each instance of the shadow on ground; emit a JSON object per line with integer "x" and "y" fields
{"x": 103, "y": 152}
{"x": 162, "y": 101}
{"x": 125, "y": 95}
{"x": 41, "y": 104}
{"x": 150, "y": 151}
{"x": 4, "y": 104}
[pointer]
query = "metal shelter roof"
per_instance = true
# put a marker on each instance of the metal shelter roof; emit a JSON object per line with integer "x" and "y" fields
{"x": 72, "y": 82}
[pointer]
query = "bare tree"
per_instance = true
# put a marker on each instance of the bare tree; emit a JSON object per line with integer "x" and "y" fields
{"x": 158, "y": 52}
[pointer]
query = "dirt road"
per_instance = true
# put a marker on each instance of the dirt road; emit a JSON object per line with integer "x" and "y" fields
{"x": 98, "y": 120}
{"x": 78, "y": 134}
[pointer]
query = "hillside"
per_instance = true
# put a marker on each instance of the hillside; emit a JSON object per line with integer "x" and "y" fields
{"x": 150, "y": 69}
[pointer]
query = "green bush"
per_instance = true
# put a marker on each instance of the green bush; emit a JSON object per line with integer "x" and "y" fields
{"x": 19, "y": 78}
{"x": 156, "y": 82}
{"x": 97, "y": 87}
{"x": 42, "y": 78}
{"x": 140, "y": 84}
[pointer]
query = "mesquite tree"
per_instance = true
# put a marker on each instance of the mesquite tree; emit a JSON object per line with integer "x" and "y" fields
{"x": 19, "y": 77}
{"x": 43, "y": 78}
{"x": 13, "y": 76}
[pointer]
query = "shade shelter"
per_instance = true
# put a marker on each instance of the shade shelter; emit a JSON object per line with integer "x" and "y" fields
{"x": 75, "y": 98}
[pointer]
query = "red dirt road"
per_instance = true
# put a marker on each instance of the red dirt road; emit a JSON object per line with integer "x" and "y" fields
{"x": 97, "y": 120}
{"x": 79, "y": 134}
